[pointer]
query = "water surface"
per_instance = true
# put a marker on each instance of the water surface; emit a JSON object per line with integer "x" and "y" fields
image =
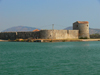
{"x": 61, "y": 58}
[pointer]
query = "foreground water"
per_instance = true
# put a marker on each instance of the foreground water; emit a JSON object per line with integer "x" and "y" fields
{"x": 62, "y": 58}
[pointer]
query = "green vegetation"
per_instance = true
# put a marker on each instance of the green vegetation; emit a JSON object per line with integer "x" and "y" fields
{"x": 17, "y": 40}
{"x": 95, "y": 35}
{"x": 63, "y": 40}
{"x": 9, "y": 40}
{"x": 50, "y": 40}
{"x": 29, "y": 40}
{"x": 22, "y": 40}
{"x": 83, "y": 38}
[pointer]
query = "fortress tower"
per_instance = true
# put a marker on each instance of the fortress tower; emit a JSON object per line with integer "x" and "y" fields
{"x": 83, "y": 27}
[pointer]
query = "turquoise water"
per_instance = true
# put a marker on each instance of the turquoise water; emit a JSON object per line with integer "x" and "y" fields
{"x": 61, "y": 58}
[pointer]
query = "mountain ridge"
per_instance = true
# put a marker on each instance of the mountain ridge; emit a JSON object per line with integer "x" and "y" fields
{"x": 26, "y": 28}
{"x": 19, "y": 28}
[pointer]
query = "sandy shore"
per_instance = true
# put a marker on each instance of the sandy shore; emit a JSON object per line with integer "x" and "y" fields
{"x": 90, "y": 39}
{"x": 3, "y": 40}
{"x": 65, "y": 40}
{"x": 56, "y": 40}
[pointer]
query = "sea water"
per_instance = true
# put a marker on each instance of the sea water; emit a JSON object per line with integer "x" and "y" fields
{"x": 59, "y": 58}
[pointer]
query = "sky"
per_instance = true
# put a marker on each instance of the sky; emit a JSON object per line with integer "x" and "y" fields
{"x": 43, "y": 13}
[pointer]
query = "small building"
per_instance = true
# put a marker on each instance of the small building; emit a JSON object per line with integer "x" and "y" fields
{"x": 36, "y": 30}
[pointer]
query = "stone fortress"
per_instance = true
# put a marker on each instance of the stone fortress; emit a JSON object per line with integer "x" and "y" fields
{"x": 80, "y": 30}
{"x": 83, "y": 27}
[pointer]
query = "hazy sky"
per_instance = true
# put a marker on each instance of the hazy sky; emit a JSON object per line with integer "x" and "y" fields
{"x": 43, "y": 13}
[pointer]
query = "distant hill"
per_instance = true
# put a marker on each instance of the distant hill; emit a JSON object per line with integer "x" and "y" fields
{"x": 20, "y": 28}
{"x": 69, "y": 28}
{"x": 26, "y": 28}
{"x": 91, "y": 30}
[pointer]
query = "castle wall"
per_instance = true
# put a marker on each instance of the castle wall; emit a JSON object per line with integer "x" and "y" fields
{"x": 8, "y": 35}
{"x": 26, "y": 35}
{"x": 59, "y": 34}
{"x": 42, "y": 34}
{"x": 73, "y": 34}
{"x": 47, "y": 34}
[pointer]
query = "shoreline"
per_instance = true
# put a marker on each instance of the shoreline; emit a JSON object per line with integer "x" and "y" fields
{"x": 49, "y": 40}
{"x": 3, "y": 40}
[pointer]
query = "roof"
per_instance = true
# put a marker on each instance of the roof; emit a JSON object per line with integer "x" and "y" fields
{"x": 36, "y": 30}
{"x": 83, "y": 22}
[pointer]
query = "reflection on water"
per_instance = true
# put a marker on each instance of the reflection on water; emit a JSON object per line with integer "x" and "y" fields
{"x": 73, "y": 44}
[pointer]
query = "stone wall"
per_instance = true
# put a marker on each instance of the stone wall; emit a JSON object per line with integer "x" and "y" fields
{"x": 83, "y": 28}
{"x": 42, "y": 34}
{"x": 59, "y": 34}
{"x": 8, "y": 35}
{"x": 73, "y": 34}
{"x": 26, "y": 35}
{"x": 47, "y": 34}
